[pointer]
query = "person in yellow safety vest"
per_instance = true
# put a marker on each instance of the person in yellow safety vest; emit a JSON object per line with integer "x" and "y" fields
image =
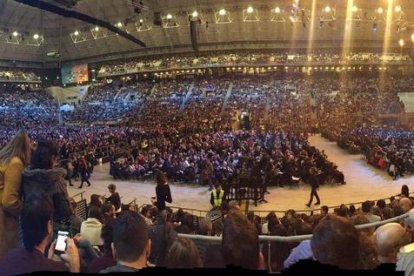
{"x": 217, "y": 196}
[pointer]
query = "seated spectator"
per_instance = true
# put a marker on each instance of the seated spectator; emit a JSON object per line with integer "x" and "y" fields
{"x": 75, "y": 220}
{"x": 131, "y": 244}
{"x": 37, "y": 231}
{"x": 240, "y": 243}
{"x": 406, "y": 204}
{"x": 145, "y": 213}
{"x": 301, "y": 252}
{"x": 389, "y": 238}
{"x": 335, "y": 241}
{"x": 114, "y": 198}
{"x": 107, "y": 212}
{"x": 366, "y": 208}
{"x": 183, "y": 253}
{"x": 107, "y": 258}
{"x": 162, "y": 235}
{"x": 92, "y": 227}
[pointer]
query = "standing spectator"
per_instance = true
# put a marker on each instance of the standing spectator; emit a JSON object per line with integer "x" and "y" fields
{"x": 69, "y": 168}
{"x": 162, "y": 191}
{"x": 114, "y": 198}
{"x": 36, "y": 226}
{"x": 44, "y": 178}
{"x": 13, "y": 158}
{"x": 83, "y": 167}
{"x": 131, "y": 244}
{"x": 314, "y": 173}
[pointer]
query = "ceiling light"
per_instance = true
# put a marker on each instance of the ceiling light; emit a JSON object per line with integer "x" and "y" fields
{"x": 398, "y": 8}
{"x": 277, "y": 10}
{"x": 15, "y": 33}
{"x": 222, "y": 12}
{"x": 401, "y": 42}
{"x": 35, "y": 36}
{"x": 169, "y": 16}
{"x": 96, "y": 28}
{"x": 119, "y": 24}
{"x": 380, "y": 10}
{"x": 354, "y": 8}
{"x": 76, "y": 33}
{"x": 194, "y": 14}
{"x": 250, "y": 9}
{"x": 327, "y": 9}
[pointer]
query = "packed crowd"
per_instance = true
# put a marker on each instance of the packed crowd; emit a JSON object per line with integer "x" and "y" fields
{"x": 18, "y": 76}
{"x": 248, "y": 58}
{"x": 26, "y": 106}
{"x": 109, "y": 102}
{"x": 45, "y": 232}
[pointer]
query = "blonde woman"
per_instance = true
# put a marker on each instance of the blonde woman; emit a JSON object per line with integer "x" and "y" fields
{"x": 13, "y": 158}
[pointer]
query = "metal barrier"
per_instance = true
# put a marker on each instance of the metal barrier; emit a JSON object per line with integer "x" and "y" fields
{"x": 292, "y": 238}
{"x": 78, "y": 194}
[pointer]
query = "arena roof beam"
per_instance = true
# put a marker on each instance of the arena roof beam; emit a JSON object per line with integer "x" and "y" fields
{"x": 80, "y": 16}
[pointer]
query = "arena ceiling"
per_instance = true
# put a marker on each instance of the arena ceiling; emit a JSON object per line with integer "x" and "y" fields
{"x": 221, "y": 24}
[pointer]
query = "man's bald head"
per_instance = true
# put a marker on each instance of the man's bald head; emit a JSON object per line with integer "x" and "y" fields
{"x": 406, "y": 204}
{"x": 389, "y": 238}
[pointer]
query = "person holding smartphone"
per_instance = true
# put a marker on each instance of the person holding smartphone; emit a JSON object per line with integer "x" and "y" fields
{"x": 36, "y": 228}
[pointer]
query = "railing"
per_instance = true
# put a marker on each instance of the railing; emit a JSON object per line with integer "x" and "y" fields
{"x": 121, "y": 148}
{"x": 80, "y": 194}
{"x": 291, "y": 239}
{"x": 298, "y": 238}
{"x": 318, "y": 209}
{"x": 188, "y": 69}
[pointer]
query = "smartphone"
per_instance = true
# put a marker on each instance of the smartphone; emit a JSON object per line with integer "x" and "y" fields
{"x": 61, "y": 242}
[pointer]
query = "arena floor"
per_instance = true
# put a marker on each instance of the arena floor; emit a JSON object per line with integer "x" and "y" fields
{"x": 362, "y": 182}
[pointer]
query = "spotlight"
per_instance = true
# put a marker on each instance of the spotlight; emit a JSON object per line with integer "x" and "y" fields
{"x": 76, "y": 33}
{"x": 398, "y": 8}
{"x": 412, "y": 38}
{"x": 194, "y": 14}
{"x": 222, "y": 12}
{"x": 327, "y": 9}
{"x": 277, "y": 10}
{"x": 250, "y": 9}
{"x": 119, "y": 24}
{"x": 15, "y": 33}
{"x": 169, "y": 16}
{"x": 141, "y": 20}
{"x": 380, "y": 10}
{"x": 96, "y": 28}
{"x": 401, "y": 42}
{"x": 35, "y": 36}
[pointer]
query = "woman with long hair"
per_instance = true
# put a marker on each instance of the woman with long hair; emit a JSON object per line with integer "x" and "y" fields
{"x": 44, "y": 177}
{"x": 162, "y": 191}
{"x": 13, "y": 158}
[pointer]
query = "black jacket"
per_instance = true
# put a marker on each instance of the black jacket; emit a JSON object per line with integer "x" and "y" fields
{"x": 163, "y": 193}
{"x": 52, "y": 183}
